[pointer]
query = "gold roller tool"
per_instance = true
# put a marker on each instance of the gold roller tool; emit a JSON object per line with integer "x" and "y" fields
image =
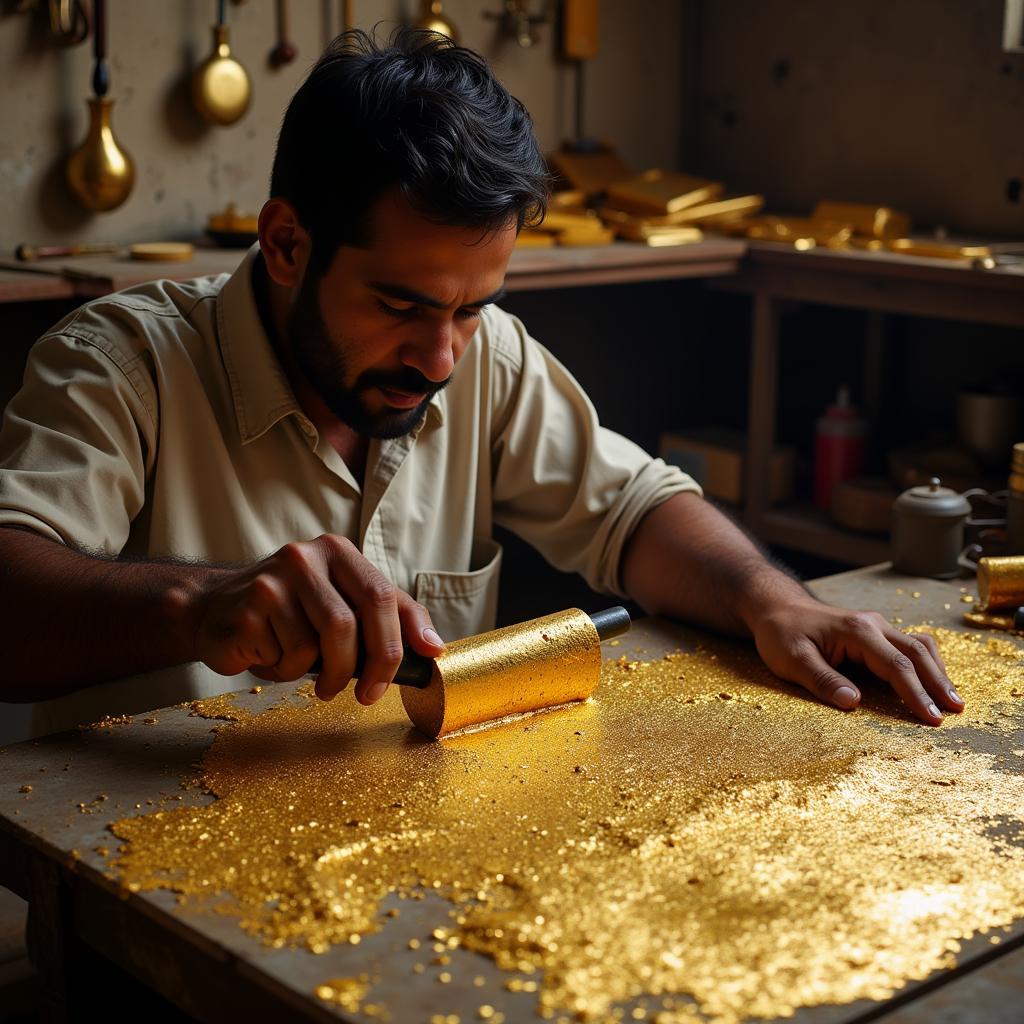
{"x": 517, "y": 670}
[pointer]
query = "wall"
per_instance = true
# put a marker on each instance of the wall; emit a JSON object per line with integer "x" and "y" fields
{"x": 186, "y": 170}
{"x": 910, "y": 103}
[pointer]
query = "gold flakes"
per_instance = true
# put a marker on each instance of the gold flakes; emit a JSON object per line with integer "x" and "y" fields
{"x": 967, "y": 599}
{"x": 222, "y": 706}
{"x": 745, "y": 857}
{"x": 25, "y": 789}
{"x": 348, "y": 993}
{"x": 108, "y": 722}
{"x": 256, "y": 689}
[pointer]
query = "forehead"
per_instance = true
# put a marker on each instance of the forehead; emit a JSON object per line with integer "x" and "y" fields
{"x": 406, "y": 244}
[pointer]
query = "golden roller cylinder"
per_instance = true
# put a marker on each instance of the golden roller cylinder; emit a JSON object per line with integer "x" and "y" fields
{"x": 1000, "y": 582}
{"x": 515, "y": 670}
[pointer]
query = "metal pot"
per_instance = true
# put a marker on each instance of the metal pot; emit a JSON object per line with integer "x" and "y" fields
{"x": 928, "y": 531}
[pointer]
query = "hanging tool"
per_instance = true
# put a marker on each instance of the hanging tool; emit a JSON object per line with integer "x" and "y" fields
{"x": 284, "y": 52}
{"x": 221, "y": 89}
{"x": 100, "y": 172}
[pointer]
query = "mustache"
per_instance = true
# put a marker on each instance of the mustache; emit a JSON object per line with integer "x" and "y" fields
{"x": 408, "y": 379}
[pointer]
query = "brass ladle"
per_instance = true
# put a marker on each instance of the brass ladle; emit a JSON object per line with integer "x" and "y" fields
{"x": 100, "y": 172}
{"x": 221, "y": 89}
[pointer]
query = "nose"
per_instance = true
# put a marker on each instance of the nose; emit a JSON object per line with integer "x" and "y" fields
{"x": 432, "y": 352}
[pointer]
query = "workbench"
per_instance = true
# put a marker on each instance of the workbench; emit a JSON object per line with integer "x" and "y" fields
{"x": 205, "y": 964}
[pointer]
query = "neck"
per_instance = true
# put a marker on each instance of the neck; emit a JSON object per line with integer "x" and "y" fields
{"x": 273, "y": 302}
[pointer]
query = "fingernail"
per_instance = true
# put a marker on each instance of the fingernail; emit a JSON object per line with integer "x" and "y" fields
{"x": 956, "y": 696}
{"x": 845, "y": 696}
{"x": 375, "y": 691}
{"x": 935, "y": 711}
{"x": 432, "y": 638}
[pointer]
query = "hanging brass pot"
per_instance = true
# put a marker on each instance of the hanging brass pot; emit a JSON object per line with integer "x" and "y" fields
{"x": 221, "y": 89}
{"x": 100, "y": 172}
{"x": 432, "y": 18}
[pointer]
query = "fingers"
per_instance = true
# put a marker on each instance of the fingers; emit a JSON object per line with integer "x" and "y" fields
{"x": 814, "y": 673}
{"x": 376, "y": 602}
{"x": 888, "y": 662}
{"x": 923, "y": 651}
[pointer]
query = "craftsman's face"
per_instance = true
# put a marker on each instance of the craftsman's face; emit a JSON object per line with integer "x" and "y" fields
{"x": 381, "y": 331}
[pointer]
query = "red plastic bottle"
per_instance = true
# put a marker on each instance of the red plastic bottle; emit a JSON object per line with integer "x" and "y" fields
{"x": 838, "y": 448}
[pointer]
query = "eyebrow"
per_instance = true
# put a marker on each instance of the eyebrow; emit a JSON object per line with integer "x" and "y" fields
{"x": 397, "y": 291}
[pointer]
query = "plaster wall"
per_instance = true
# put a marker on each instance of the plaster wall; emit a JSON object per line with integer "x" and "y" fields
{"x": 911, "y": 103}
{"x": 187, "y": 170}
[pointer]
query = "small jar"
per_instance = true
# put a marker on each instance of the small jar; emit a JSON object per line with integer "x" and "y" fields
{"x": 928, "y": 531}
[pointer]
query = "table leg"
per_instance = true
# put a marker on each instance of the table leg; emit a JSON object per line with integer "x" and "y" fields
{"x": 764, "y": 382}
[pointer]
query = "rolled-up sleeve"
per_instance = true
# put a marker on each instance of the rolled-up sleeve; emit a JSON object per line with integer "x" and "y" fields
{"x": 571, "y": 488}
{"x": 76, "y": 442}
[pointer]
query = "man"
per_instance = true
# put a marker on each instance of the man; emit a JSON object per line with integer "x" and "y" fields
{"x": 241, "y": 474}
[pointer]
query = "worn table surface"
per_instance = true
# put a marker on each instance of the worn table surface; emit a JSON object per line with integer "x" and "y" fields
{"x": 206, "y": 963}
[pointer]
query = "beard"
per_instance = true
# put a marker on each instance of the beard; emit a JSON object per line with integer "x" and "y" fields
{"x": 321, "y": 359}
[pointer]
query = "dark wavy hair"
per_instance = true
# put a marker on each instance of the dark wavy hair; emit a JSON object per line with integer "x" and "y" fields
{"x": 419, "y": 113}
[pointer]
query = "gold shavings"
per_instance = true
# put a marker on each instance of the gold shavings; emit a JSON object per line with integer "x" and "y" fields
{"x": 25, "y": 789}
{"x": 149, "y": 721}
{"x": 94, "y": 805}
{"x": 256, "y": 689}
{"x": 107, "y": 722}
{"x": 348, "y": 993}
{"x": 221, "y": 706}
{"x": 754, "y": 855}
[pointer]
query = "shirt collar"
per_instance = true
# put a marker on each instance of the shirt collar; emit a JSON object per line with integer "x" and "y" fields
{"x": 259, "y": 386}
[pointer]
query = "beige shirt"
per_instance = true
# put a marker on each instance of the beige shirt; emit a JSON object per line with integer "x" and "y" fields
{"x": 157, "y": 421}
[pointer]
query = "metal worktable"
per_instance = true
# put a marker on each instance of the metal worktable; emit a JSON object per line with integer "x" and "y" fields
{"x": 207, "y": 965}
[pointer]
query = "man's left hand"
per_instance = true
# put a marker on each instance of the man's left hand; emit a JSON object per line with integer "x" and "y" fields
{"x": 806, "y": 642}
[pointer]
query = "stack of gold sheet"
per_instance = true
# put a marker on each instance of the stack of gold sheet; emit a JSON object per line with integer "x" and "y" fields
{"x": 668, "y": 208}
{"x": 567, "y": 222}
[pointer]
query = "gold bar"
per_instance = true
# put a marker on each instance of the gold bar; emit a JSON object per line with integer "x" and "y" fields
{"x": 658, "y": 192}
{"x": 719, "y": 211}
{"x": 528, "y": 239}
{"x": 937, "y": 250}
{"x": 802, "y": 232}
{"x": 591, "y": 236}
{"x": 654, "y": 235}
{"x": 872, "y": 221}
{"x": 1000, "y": 583}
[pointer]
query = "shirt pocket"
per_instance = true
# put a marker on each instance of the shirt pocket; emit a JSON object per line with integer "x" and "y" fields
{"x": 462, "y": 604}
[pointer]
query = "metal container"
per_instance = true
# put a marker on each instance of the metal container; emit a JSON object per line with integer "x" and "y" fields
{"x": 928, "y": 531}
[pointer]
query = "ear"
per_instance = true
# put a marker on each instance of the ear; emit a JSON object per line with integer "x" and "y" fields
{"x": 284, "y": 242}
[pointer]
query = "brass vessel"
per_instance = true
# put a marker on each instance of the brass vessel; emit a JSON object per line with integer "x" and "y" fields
{"x": 432, "y": 18}
{"x": 100, "y": 172}
{"x": 221, "y": 89}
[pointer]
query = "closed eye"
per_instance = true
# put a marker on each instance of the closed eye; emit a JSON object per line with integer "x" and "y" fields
{"x": 399, "y": 312}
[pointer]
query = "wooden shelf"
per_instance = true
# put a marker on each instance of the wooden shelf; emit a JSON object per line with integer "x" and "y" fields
{"x": 805, "y": 528}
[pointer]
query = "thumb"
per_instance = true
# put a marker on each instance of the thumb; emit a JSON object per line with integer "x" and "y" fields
{"x": 417, "y": 628}
{"x": 810, "y": 670}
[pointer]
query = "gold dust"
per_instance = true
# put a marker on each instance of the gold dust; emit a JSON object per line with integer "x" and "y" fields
{"x": 108, "y": 722}
{"x": 348, "y": 993}
{"x": 756, "y": 855}
{"x": 221, "y": 706}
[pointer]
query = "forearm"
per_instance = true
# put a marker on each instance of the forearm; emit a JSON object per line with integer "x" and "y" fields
{"x": 70, "y": 620}
{"x": 686, "y": 560}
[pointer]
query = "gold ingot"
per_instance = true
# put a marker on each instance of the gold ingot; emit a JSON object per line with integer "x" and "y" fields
{"x": 657, "y": 236}
{"x": 100, "y": 172}
{"x": 719, "y": 212}
{"x": 584, "y": 236}
{"x": 433, "y": 20}
{"x": 1000, "y": 583}
{"x": 561, "y": 220}
{"x": 938, "y": 250}
{"x": 868, "y": 220}
{"x": 658, "y": 192}
{"x": 510, "y": 672}
{"x": 988, "y": 620}
{"x": 800, "y": 232}
{"x": 221, "y": 89}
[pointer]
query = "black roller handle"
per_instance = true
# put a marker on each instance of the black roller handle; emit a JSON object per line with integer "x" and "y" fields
{"x": 417, "y": 669}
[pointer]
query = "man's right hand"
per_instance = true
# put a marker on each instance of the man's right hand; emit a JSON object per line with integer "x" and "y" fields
{"x": 319, "y": 597}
